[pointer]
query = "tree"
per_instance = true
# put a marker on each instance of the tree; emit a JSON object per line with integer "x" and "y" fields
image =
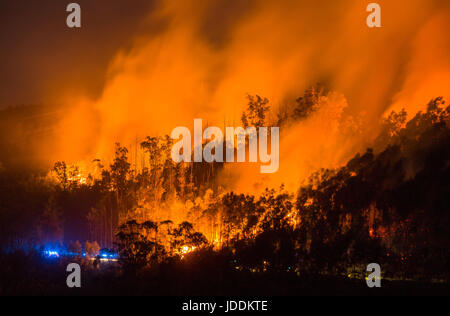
{"x": 76, "y": 248}
{"x": 278, "y": 208}
{"x": 60, "y": 169}
{"x": 256, "y": 112}
{"x": 92, "y": 249}
{"x": 308, "y": 103}
{"x": 185, "y": 236}
{"x": 50, "y": 227}
{"x": 240, "y": 215}
{"x": 135, "y": 249}
{"x": 120, "y": 170}
{"x": 119, "y": 180}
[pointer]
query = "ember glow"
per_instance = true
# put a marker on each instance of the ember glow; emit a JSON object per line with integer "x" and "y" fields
{"x": 344, "y": 124}
{"x": 194, "y": 66}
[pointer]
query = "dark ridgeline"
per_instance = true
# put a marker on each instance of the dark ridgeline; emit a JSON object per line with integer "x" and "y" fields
{"x": 389, "y": 205}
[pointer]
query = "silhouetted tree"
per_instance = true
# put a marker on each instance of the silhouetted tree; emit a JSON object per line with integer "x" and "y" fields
{"x": 256, "y": 113}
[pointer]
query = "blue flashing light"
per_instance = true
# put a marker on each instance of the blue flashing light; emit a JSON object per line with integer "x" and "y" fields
{"x": 108, "y": 254}
{"x": 51, "y": 254}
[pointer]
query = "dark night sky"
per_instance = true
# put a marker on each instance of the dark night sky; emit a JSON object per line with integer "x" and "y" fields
{"x": 39, "y": 53}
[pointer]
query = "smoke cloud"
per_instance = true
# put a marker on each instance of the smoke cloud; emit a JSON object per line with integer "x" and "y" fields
{"x": 200, "y": 59}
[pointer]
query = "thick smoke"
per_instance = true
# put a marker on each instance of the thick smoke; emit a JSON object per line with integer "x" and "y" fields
{"x": 202, "y": 58}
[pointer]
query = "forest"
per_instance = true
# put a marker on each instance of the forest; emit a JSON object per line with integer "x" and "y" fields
{"x": 177, "y": 230}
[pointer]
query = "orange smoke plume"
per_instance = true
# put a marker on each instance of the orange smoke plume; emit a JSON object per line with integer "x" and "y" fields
{"x": 201, "y": 58}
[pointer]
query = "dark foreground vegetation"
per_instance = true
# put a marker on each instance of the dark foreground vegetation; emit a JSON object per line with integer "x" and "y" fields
{"x": 389, "y": 205}
{"x": 203, "y": 274}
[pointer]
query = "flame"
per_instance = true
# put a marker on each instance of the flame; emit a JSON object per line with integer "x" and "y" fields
{"x": 186, "y": 249}
{"x": 208, "y": 55}
{"x": 79, "y": 178}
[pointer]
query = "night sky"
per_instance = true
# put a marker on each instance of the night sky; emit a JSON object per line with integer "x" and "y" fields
{"x": 38, "y": 50}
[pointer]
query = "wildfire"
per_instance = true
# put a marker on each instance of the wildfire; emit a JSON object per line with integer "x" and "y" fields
{"x": 186, "y": 249}
{"x": 78, "y": 178}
